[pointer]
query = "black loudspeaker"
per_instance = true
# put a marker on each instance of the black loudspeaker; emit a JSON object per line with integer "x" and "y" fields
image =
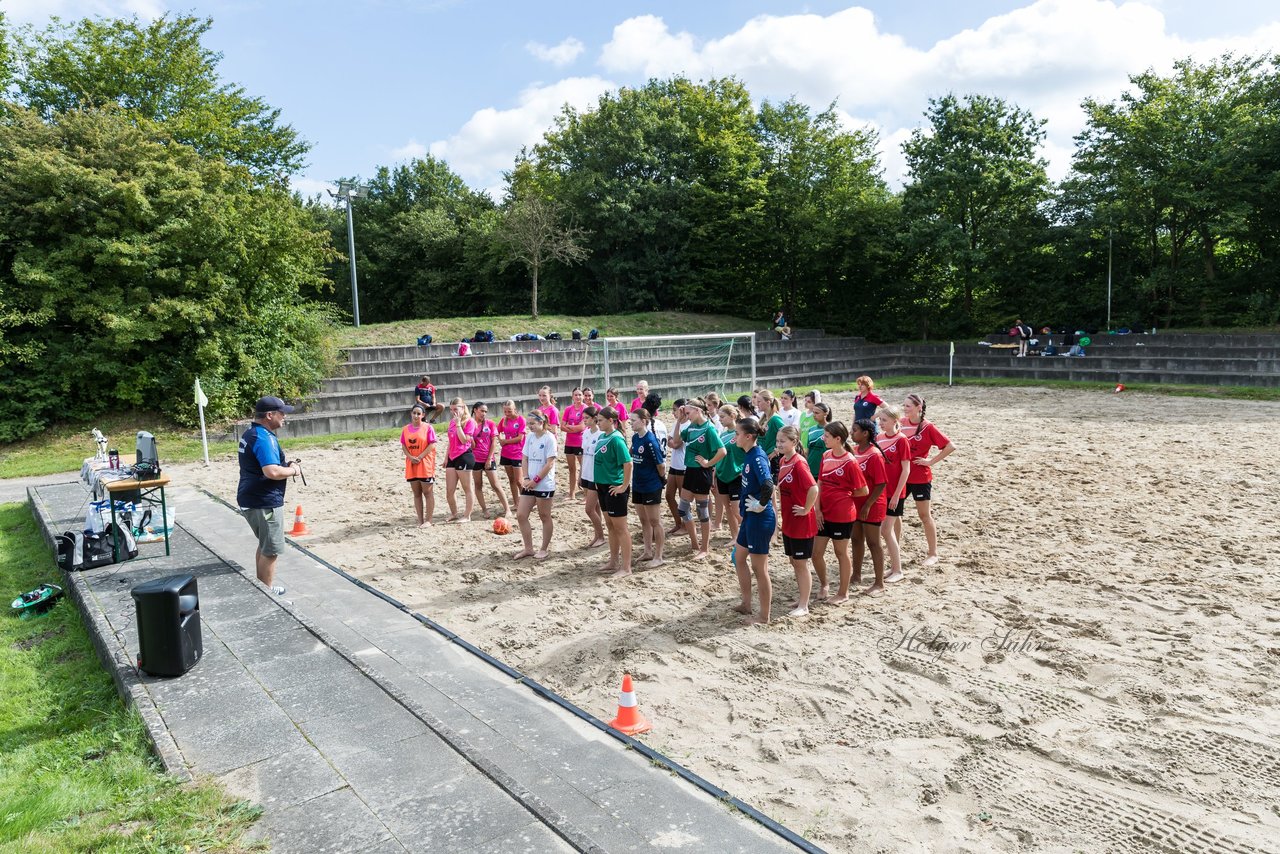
{"x": 168, "y": 615}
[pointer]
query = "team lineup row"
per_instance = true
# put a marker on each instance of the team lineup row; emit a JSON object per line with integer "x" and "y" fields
{"x": 738, "y": 467}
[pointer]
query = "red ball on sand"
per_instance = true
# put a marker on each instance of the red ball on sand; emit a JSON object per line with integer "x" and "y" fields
{"x": 501, "y": 525}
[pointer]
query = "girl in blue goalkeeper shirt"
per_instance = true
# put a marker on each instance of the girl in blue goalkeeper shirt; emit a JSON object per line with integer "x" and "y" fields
{"x": 755, "y": 504}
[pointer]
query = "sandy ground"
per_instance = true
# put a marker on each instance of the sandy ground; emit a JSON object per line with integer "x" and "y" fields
{"x": 1107, "y": 599}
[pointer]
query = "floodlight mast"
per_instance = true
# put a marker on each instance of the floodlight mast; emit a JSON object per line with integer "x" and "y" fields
{"x": 348, "y": 190}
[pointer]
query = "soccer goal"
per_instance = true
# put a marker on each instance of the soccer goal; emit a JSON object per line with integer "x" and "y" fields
{"x": 677, "y": 365}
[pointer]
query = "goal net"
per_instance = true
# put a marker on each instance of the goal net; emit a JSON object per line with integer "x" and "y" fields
{"x": 673, "y": 365}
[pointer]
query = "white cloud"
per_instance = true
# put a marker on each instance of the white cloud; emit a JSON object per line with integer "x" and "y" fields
{"x": 39, "y": 11}
{"x": 489, "y": 141}
{"x": 409, "y": 151}
{"x": 558, "y": 55}
{"x": 1046, "y": 57}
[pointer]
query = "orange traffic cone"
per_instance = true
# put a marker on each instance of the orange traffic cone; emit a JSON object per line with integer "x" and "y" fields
{"x": 629, "y": 719}
{"x": 1119, "y": 388}
{"x": 299, "y": 524}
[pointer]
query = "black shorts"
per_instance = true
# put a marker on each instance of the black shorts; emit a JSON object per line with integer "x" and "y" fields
{"x": 571, "y": 451}
{"x": 675, "y": 472}
{"x": 731, "y": 489}
{"x": 612, "y": 505}
{"x": 896, "y": 509}
{"x": 587, "y": 484}
{"x": 475, "y": 466}
{"x": 462, "y": 463}
{"x": 509, "y": 463}
{"x": 646, "y": 499}
{"x": 698, "y": 480}
{"x": 799, "y": 548}
{"x": 420, "y": 479}
{"x": 921, "y": 491}
{"x": 539, "y": 494}
{"x": 836, "y": 530}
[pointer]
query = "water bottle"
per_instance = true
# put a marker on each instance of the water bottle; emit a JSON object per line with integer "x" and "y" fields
{"x": 113, "y": 459}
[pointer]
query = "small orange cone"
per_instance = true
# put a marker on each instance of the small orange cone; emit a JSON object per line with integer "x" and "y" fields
{"x": 629, "y": 719}
{"x": 299, "y": 524}
{"x": 1119, "y": 388}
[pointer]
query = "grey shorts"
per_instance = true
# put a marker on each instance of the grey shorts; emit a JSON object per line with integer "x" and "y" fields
{"x": 268, "y": 525}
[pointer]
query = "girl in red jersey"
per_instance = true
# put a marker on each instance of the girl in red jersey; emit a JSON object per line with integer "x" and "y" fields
{"x": 511, "y": 432}
{"x": 418, "y": 441}
{"x": 839, "y": 483}
{"x": 871, "y": 507}
{"x": 923, "y": 436}
{"x": 611, "y": 399}
{"x": 897, "y": 455}
{"x": 485, "y": 450}
{"x": 798, "y": 493}
{"x": 572, "y": 423}
{"x": 550, "y": 415}
{"x": 459, "y": 459}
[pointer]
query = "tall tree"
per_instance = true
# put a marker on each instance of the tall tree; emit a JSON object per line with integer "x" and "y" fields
{"x": 130, "y": 264}
{"x": 161, "y": 72}
{"x": 534, "y": 233}
{"x": 974, "y": 195}
{"x": 666, "y": 180}
{"x": 1173, "y": 165}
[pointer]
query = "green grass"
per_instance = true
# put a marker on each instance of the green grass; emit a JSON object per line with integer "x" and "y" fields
{"x": 445, "y": 329}
{"x": 76, "y": 770}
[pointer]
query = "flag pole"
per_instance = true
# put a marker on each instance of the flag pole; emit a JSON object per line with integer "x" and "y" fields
{"x": 202, "y": 402}
{"x": 951, "y": 365}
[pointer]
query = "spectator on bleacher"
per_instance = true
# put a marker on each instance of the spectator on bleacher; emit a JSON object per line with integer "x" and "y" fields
{"x": 1024, "y": 333}
{"x": 425, "y": 394}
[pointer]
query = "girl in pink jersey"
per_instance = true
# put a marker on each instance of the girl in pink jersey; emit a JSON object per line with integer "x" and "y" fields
{"x": 512, "y": 430}
{"x": 642, "y": 391}
{"x": 547, "y": 406}
{"x": 897, "y": 454}
{"x": 922, "y": 437}
{"x": 459, "y": 459}
{"x": 571, "y": 421}
{"x": 611, "y": 399}
{"x": 485, "y": 451}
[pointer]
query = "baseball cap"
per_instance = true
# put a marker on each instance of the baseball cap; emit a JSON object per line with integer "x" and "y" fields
{"x": 272, "y": 404}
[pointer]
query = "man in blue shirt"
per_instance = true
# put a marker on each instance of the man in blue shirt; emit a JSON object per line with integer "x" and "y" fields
{"x": 263, "y": 475}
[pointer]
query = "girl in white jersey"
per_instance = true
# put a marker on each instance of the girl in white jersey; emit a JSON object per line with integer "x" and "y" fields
{"x": 591, "y": 499}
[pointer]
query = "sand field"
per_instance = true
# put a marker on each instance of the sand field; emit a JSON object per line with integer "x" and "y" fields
{"x": 1092, "y": 666}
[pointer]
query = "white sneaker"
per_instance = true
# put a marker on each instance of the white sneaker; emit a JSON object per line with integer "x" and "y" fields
{"x": 278, "y": 590}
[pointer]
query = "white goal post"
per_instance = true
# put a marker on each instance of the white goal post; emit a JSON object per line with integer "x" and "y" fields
{"x": 677, "y": 362}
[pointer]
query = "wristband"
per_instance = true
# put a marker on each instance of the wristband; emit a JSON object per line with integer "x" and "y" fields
{"x": 537, "y": 478}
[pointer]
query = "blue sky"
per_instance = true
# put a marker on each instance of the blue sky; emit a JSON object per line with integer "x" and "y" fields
{"x": 374, "y": 82}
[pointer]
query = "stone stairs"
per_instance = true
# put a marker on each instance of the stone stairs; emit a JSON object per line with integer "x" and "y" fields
{"x": 375, "y": 388}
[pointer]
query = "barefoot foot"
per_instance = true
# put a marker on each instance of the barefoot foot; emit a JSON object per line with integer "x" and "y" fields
{"x": 799, "y": 612}
{"x": 930, "y": 560}
{"x": 742, "y": 609}
{"x": 894, "y": 577}
{"x": 522, "y": 554}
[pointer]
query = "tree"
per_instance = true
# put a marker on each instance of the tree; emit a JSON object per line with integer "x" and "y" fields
{"x": 666, "y": 180}
{"x": 1175, "y": 166}
{"x": 420, "y": 245}
{"x": 973, "y": 201}
{"x": 533, "y": 233}
{"x": 818, "y": 241}
{"x": 130, "y": 264}
{"x": 160, "y": 72}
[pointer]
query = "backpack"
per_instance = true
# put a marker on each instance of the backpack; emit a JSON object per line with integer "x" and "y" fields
{"x": 553, "y": 336}
{"x": 593, "y": 334}
{"x": 576, "y": 334}
{"x": 424, "y": 340}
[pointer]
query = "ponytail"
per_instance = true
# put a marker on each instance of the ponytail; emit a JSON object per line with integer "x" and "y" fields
{"x": 866, "y": 425}
{"x": 837, "y": 429}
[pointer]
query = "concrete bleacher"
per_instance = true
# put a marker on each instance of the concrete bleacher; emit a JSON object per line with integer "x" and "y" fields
{"x": 376, "y": 385}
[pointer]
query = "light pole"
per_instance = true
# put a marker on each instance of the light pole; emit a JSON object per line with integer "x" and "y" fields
{"x": 1109, "y": 278}
{"x": 348, "y": 190}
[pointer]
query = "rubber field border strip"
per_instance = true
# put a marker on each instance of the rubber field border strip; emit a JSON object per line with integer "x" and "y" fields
{"x": 643, "y": 749}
